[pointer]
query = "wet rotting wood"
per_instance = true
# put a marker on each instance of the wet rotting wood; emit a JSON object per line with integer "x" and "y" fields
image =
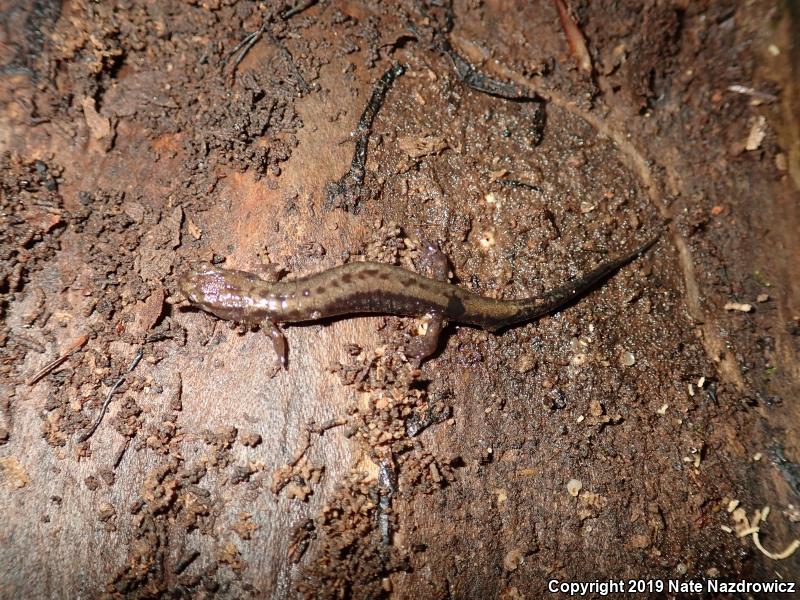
{"x": 633, "y": 392}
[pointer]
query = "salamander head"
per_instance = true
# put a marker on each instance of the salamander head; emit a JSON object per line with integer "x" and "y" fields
{"x": 225, "y": 293}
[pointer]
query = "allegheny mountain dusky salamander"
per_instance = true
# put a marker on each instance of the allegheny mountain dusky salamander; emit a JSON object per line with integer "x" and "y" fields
{"x": 369, "y": 287}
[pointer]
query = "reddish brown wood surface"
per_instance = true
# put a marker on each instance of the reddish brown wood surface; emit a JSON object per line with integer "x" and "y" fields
{"x": 130, "y": 149}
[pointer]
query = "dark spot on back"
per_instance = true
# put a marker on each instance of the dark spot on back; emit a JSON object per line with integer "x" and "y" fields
{"x": 362, "y": 275}
{"x": 384, "y": 275}
{"x": 370, "y": 272}
{"x": 320, "y": 289}
{"x": 455, "y": 307}
{"x": 346, "y": 278}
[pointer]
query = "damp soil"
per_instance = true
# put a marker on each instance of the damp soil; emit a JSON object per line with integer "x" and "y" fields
{"x": 634, "y": 434}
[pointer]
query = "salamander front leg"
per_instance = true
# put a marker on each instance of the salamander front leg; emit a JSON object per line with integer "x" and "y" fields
{"x": 269, "y": 272}
{"x": 278, "y": 341}
{"x": 432, "y": 261}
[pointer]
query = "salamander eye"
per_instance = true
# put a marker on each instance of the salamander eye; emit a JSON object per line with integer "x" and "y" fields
{"x": 204, "y": 268}
{"x": 196, "y": 270}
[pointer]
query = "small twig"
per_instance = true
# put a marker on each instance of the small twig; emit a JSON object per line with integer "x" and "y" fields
{"x": 284, "y": 474}
{"x": 387, "y": 475}
{"x": 77, "y": 345}
{"x": 245, "y": 46}
{"x": 575, "y": 39}
{"x": 252, "y": 39}
{"x": 473, "y": 78}
{"x": 186, "y": 561}
{"x": 514, "y": 183}
{"x": 313, "y": 428}
{"x": 358, "y": 166}
{"x": 748, "y": 91}
{"x": 104, "y": 408}
{"x": 298, "y": 8}
{"x": 121, "y": 452}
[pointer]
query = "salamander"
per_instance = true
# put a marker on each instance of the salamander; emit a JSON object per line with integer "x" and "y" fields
{"x": 370, "y": 287}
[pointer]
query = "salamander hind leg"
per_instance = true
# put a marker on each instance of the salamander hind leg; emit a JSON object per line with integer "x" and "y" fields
{"x": 433, "y": 263}
{"x": 278, "y": 340}
{"x": 422, "y": 346}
